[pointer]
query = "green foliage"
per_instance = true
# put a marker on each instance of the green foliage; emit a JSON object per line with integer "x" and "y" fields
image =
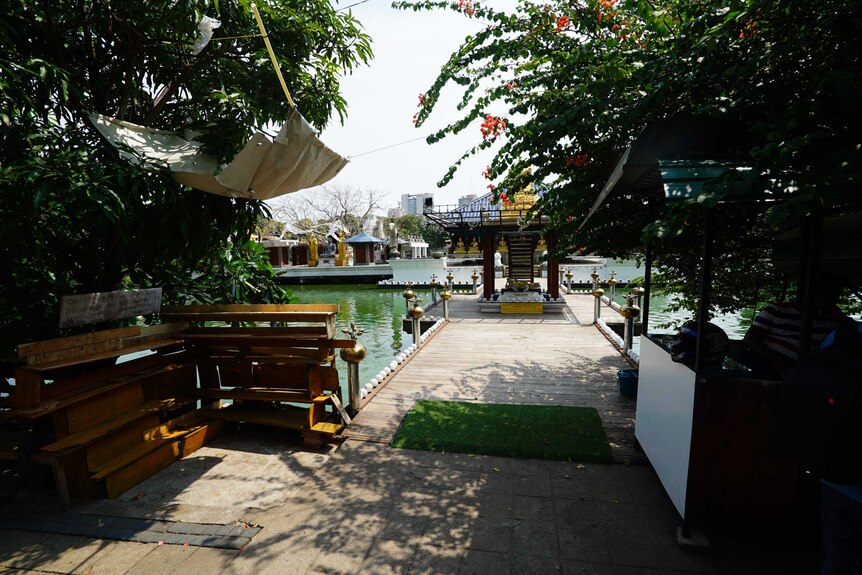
{"x": 78, "y": 218}
{"x": 241, "y": 274}
{"x": 419, "y": 226}
{"x": 576, "y": 91}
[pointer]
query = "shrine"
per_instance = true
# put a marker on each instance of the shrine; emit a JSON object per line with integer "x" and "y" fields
{"x": 504, "y": 234}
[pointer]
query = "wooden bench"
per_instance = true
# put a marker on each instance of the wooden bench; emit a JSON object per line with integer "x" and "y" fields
{"x": 266, "y": 370}
{"x": 115, "y": 424}
{"x": 104, "y": 419}
{"x": 112, "y": 424}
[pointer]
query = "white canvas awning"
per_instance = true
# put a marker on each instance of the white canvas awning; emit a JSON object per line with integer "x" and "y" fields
{"x": 263, "y": 169}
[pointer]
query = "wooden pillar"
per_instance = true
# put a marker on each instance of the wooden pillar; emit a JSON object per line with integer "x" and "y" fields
{"x": 488, "y": 250}
{"x": 553, "y": 265}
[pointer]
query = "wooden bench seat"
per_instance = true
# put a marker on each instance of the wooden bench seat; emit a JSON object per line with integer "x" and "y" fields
{"x": 114, "y": 425}
{"x": 258, "y": 394}
{"x": 54, "y": 359}
{"x": 287, "y": 417}
{"x": 89, "y": 386}
{"x": 97, "y": 432}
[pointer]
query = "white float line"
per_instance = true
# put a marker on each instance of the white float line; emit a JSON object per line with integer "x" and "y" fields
{"x": 384, "y": 376}
{"x": 617, "y": 341}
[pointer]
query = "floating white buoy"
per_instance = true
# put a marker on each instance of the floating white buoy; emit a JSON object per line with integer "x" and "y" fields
{"x": 386, "y": 370}
{"x": 374, "y": 382}
{"x": 381, "y": 376}
{"x": 363, "y": 393}
{"x": 393, "y": 364}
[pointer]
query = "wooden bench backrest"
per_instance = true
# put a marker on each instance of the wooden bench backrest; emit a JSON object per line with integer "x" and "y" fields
{"x": 91, "y": 308}
{"x": 75, "y": 349}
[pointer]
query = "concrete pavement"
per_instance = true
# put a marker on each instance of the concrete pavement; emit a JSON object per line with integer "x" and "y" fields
{"x": 368, "y": 508}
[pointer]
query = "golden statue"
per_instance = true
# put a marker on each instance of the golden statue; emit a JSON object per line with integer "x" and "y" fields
{"x": 502, "y": 248}
{"x": 312, "y": 250}
{"x": 520, "y": 202}
{"x": 541, "y": 246}
{"x": 341, "y": 257}
{"x": 459, "y": 247}
{"x": 474, "y": 247}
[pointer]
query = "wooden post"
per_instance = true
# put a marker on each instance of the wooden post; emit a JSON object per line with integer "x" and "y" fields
{"x": 553, "y": 265}
{"x": 488, "y": 250}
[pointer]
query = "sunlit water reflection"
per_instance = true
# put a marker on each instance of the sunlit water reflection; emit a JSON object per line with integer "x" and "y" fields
{"x": 379, "y": 311}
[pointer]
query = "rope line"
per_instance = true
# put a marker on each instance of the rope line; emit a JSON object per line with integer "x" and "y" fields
{"x": 272, "y": 54}
{"x": 352, "y": 5}
{"x": 236, "y": 37}
{"x": 387, "y": 147}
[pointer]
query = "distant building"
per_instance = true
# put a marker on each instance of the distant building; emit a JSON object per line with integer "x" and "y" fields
{"x": 395, "y": 212}
{"x": 464, "y": 200}
{"x": 415, "y": 203}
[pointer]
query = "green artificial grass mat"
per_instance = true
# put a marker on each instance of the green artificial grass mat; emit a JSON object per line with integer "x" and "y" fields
{"x": 524, "y": 431}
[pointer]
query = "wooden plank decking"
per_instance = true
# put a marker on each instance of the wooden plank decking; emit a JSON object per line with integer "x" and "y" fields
{"x": 554, "y": 359}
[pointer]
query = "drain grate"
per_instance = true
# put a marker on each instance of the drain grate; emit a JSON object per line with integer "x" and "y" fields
{"x": 235, "y": 536}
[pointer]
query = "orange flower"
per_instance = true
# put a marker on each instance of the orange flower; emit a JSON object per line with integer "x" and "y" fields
{"x": 492, "y": 126}
{"x": 563, "y": 23}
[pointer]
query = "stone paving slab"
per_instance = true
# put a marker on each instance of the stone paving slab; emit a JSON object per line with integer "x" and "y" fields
{"x": 134, "y": 529}
{"x": 368, "y": 508}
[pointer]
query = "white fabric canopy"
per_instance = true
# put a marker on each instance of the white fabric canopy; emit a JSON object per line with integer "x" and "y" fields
{"x": 263, "y": 169}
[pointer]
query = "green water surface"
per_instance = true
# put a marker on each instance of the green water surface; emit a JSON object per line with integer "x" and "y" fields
{"x": 378, "y": 310}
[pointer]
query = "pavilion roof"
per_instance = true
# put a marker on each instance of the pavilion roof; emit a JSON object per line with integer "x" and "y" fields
{"x": 363, "y": 238}
{"x": 482, "y": 214}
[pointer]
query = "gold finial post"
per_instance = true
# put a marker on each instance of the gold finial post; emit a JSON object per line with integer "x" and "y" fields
{"x": 416, "y": 313}
{"x": 408, "y": 294}
{"x": 597, "y": 308}
{"x": 445, "y": 295}
{"x": 629, "y": 311}
{"x": 352, "y": 356}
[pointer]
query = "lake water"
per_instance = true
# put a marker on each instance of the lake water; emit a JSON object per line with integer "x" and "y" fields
{"x": 379, "y": 311}
{"x": 735, "y": 325}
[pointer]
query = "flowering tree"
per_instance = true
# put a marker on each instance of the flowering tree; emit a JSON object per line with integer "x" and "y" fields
{"x": 77, "y": 217}
{"x": 570, "y": 84}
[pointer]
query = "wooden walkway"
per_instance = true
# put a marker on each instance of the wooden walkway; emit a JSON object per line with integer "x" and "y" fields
{"x": 554, "y": 359}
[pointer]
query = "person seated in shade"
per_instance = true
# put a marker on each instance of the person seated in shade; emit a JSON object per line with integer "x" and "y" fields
{"x": 773, "y": 340}
{"x": 841, "y": 482}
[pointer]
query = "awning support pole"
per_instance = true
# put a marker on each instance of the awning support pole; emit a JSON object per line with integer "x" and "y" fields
{"x": 271, "y": 54}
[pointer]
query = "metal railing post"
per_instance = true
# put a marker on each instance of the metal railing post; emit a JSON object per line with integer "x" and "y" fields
{"x": 597, "y": 308}
{"x": 353, "y": 356}
{"x": 353, "y": 387}
{"x": 629, "y": 311}
{"x": 446, "y": 295}
{"x": 408, "y": 295}
{"x": 612, "y": 282}
{"x": 416, "y": 313}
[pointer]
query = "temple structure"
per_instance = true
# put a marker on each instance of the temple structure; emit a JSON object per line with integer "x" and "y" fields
{"x": 483, "y": 228}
